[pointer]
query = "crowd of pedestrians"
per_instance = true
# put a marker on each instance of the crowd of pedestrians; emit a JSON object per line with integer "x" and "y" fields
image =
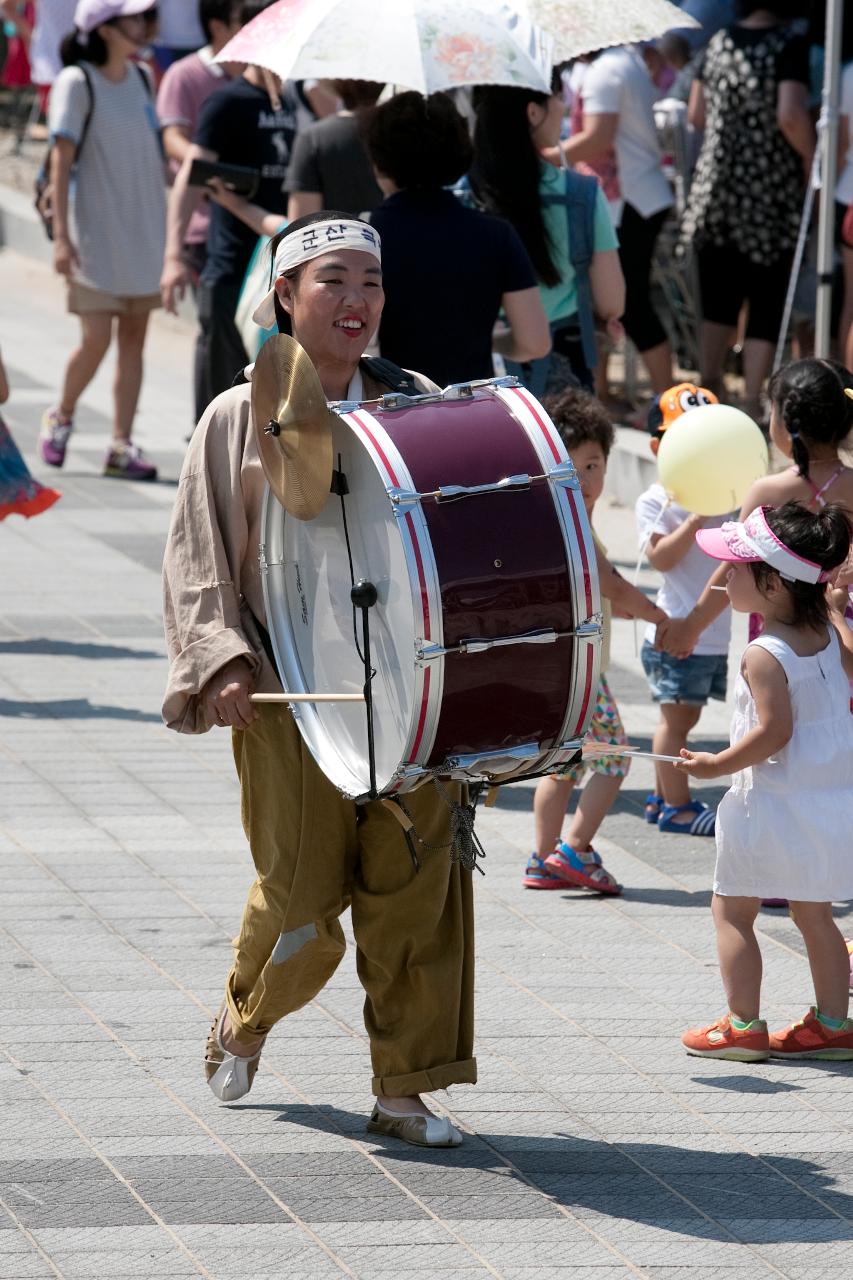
{"x": 140, "y": 105}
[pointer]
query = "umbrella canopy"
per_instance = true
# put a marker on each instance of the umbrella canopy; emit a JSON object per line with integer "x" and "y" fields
{"x": 427, "y": 45}
{"x": 580, "y": 26}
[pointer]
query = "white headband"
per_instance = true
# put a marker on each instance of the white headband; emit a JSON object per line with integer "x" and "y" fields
{"x": 312, "y": 242}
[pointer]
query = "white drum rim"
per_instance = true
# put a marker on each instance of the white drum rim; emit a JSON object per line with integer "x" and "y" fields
{"x": 576, "y": 530}
{"x": 425, "y": 591}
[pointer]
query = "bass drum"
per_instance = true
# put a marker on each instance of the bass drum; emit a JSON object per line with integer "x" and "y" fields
{"x": 465, "y": 512}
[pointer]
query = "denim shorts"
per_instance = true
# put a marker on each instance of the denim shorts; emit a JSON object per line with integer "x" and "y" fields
{"x": 691, "y": 681}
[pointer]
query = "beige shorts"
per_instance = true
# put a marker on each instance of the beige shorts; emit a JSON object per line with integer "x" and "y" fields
{"x": 82, "y": 300}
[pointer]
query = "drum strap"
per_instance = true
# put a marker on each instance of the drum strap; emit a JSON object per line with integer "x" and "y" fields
{"x": 265, "y": 640}
{"x": 389, "y": 374}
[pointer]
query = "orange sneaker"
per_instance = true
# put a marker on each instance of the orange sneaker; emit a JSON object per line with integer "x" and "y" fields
{"x": 811, "y": 1039}
{"x": 723, "y": 1040}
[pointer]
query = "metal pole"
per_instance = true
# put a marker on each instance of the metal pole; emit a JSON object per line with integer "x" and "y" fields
{"x": 828, "y": 144}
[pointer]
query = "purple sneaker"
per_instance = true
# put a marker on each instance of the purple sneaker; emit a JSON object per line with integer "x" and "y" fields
{"x": 53, "y": 437}
{"x": 127, "y": 462}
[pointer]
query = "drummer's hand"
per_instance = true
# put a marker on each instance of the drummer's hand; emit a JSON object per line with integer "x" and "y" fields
{"x": 226, "y": 696}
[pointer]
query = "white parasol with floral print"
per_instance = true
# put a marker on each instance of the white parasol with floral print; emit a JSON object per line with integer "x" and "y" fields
{"x": 580, "y": 26}
{"x": 428, "y": 45}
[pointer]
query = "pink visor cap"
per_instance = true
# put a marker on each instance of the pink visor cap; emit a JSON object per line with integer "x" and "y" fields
{"x": 753, "y": 541}
{"x": 89, "y": 14}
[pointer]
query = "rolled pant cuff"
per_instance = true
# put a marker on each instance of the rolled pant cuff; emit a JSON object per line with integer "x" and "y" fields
{"x": 247, "y": 1036}
{"x": 428, "y": 1081}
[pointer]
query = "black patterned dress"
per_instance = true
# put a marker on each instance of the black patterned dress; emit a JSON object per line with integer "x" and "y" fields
{"x": 748, "y": 187}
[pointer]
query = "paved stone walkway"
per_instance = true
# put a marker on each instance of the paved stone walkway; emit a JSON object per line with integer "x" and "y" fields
{"x": 595, "y": 1147}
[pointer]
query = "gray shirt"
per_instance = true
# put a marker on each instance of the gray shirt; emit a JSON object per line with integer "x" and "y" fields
{"x": 117, "y": 198}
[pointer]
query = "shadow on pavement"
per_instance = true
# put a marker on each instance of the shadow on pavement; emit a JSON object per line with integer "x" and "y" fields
{"x": 777, "y": 1198}
{"x": 41, "y": 646}
{"x": 74, "y": 709}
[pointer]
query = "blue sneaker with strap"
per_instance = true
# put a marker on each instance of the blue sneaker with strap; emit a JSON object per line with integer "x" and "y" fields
{"x": 702, "y": 825}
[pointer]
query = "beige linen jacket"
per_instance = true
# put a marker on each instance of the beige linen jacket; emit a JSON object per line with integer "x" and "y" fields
{"x": 212, "y": 590}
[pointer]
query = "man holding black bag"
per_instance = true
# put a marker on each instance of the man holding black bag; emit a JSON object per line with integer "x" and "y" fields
{"x": 239, "y": 125}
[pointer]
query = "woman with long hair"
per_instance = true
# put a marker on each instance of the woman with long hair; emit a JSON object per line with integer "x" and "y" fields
{"x": 553, "y": 211}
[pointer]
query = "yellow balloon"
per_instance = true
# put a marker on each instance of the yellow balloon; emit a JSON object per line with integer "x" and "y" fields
{"x": 709, "y": 458}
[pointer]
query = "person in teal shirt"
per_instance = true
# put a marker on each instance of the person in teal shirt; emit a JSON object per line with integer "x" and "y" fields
{"x": 552, "y": 210}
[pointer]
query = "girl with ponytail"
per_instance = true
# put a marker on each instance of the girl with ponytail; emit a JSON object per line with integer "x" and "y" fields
{"x": 782, "y": 829}
{"x": 811, "y": 415}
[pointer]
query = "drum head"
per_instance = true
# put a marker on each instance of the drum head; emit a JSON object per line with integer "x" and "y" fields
{"x": 307, "y": 582}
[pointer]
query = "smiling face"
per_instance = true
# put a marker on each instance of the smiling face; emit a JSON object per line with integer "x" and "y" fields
{"x": 335, "y": 305}
{"x": 591, "y": 465}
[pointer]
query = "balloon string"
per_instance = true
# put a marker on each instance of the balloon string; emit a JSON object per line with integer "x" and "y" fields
{"x": 636, "y": 576}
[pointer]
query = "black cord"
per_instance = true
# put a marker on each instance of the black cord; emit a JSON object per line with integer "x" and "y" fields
{"x": 342, "y": 491}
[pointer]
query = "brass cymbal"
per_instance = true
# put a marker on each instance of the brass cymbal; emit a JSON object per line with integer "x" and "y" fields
{"x": 293, "y": 427}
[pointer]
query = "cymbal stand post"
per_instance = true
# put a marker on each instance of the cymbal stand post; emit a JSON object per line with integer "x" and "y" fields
{"x": 364, "y": 596}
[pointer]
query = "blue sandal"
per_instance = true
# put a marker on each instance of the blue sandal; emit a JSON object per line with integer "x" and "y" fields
{"x": 581, "y": 869}
{"x": 702, "y": 824}
{"x": 538, "y": 876}
{"x": 654, "y": 804}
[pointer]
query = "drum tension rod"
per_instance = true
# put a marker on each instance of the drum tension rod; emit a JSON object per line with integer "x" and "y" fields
{"x": 364, "y": 596}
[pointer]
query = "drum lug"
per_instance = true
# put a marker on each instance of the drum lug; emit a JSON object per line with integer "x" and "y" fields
{"x": 402, "y": 500}
{"x": 426, "y": 652}
{"x": 565, "y": 476}
{"x": 450, "y": 492}
{"x": 591, "y": 629}
{"x": 408, "y": 771}
{"x": 476, "y": 764}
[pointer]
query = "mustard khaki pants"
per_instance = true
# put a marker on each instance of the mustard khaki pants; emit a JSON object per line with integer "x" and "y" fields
{"x": 316, "y": 853}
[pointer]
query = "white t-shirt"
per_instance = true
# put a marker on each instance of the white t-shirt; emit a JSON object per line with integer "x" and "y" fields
{"x": 684, "y": 584}
{"x": 618, "y": 83}
{"x": 54, "y": 21}
{"x": 844, "y": 188}
{"x": 117, "y": 199}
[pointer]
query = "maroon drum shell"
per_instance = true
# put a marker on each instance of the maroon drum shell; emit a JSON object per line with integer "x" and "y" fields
{"x": 502, "y": 570}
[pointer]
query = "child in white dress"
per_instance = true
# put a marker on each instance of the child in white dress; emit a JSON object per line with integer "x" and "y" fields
{"x": 783, "y": 827}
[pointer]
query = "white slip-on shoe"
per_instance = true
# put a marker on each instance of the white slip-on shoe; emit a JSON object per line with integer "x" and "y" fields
{"x": 229, "y": 1076}
{"x": 419, "y": 1130}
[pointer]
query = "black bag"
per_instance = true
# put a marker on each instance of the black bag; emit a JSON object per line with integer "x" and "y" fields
{"x": 43, "y": 202}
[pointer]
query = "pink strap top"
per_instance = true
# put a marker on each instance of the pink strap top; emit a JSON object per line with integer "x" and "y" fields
{"x": 818, "y": 492}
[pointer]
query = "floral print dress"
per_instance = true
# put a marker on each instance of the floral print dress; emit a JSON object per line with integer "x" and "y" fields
{"x": 748, "y": 186}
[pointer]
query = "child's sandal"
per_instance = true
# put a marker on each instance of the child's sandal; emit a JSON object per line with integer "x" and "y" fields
{"x": 581, "y": 868}
{"x": 702, "y": 825}
{"x": 654, "y": 804}
{"x": 537, "y": 875}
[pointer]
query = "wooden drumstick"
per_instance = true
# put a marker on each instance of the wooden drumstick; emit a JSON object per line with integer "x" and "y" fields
{"x": 612, "y": 749}
{"x": 307, "y": 697}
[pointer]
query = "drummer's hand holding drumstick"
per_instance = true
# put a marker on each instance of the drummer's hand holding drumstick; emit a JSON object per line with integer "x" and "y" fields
{"x": 227, "y": 696}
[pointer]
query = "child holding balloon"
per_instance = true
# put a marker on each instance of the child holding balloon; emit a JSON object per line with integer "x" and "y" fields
{"x": 811, "y": 415}
{"x": 681, "y": 686}
{"x": 782, "y": 827}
